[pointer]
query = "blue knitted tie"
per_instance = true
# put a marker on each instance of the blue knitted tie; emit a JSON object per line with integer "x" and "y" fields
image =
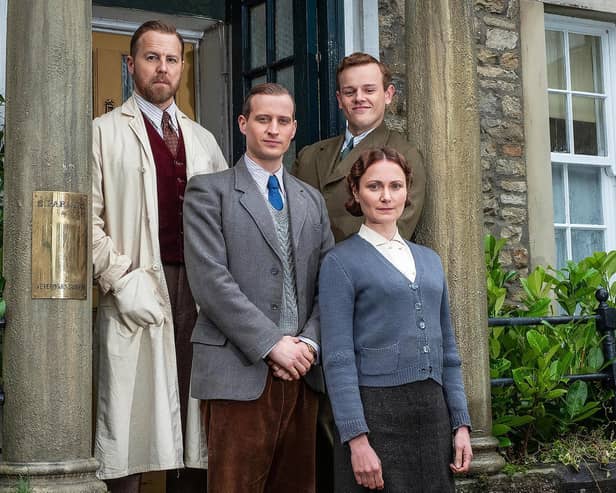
{"x": 273, "y": 193}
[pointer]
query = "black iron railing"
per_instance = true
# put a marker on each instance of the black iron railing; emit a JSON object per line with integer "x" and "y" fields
{"x": 605, "y": 323}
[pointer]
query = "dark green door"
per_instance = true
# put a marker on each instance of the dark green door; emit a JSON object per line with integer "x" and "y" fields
{"x": 282, "y": 41}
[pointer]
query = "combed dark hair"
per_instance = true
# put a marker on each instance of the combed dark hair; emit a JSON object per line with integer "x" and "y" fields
{"x": 159, "y": 27}
{"x": 269, "y": 89}
{"x": 366, "y": 159}
{"x": 359, "y": 58}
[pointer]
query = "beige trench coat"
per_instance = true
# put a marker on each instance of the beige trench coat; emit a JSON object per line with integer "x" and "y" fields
{"x": 138, "y": 415}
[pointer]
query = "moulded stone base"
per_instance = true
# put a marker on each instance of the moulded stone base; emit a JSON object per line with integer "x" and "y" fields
{"x": 78, "y": 476}
{"x": 486, "y": 459}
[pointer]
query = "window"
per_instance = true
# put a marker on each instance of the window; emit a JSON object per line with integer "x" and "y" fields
{"x": 581, "y": 92}
{"x": 298, "y": 44}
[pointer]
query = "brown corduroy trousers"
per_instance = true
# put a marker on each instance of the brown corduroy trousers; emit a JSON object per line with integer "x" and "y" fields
{"x": 263, "y": 446}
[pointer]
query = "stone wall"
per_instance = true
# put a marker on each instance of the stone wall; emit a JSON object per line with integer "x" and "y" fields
{"x": 500, "y": 99}
{"x": 392, "y": 47}
{"x": 497, "y": 27}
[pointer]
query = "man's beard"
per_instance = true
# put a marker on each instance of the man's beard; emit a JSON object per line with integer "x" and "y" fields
{"x": 160, "y": 93}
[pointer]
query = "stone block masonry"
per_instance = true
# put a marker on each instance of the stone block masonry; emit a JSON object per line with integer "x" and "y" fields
{"x": 497, "y": 38}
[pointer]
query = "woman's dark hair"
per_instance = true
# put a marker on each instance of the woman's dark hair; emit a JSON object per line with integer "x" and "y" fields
{"x": 366, "y": 159}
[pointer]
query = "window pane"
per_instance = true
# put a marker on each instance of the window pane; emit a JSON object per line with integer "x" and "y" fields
{"x": 561, "y": 247}
{"x": 258, "y": 80}
{"x": 555, "y": 59}
{"x": 284, "y": 28}
{"x": 558, "y": 123}
{"x": 257, "y": 40}
{"x": 558, "y": 193}
{"x": 584, "y": 243}
{"x": 588, "y": 127}
{"x": 585, "y": 63}
{"x": 285, "y": 77}
{"x": 585, "y": 195}
{"x": 127, "y": 80}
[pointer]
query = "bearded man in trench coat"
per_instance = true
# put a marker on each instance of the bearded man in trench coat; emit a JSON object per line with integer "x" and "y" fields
{"x": 139, "y": 174}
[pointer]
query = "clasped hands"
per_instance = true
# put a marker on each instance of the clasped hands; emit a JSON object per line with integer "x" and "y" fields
{"x": 291, "y": 358}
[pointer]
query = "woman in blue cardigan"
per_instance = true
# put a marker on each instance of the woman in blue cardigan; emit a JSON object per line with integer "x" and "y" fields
{"x": 389, "y": 351}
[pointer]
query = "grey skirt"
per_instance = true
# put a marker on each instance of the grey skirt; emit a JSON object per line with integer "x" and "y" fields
{"x": 411, "y": 433}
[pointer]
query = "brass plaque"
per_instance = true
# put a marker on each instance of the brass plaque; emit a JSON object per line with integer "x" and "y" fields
{"x": 59, "y": 245}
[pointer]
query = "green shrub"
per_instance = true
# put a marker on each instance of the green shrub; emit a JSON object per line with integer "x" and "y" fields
{"x": 542, "y": 405}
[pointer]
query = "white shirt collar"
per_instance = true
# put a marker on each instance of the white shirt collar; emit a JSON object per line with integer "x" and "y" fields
{"x": 377, "y": 239}
{"x": 155, "y": 114}
{"x": 356, "y": 138}
{"x": 260, "y": 176}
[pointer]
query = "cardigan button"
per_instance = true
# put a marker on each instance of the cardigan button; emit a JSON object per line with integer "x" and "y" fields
{"x": 274, "y": 307}
{"x": 274, "y": 271}
{"x": 426, "y": 349}
{"x": 418, "y": 306}
{"x": 422, "y": 325}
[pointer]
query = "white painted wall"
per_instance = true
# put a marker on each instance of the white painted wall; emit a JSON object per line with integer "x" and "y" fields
{"x": 599, "y": 5}
{"x": 361, "y": 27}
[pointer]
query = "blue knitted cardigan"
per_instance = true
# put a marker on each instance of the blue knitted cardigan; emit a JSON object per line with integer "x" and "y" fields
{"x": 378, "y": 329}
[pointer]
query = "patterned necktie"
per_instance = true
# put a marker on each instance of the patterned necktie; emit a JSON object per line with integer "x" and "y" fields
{"x": 347, "y": 149}
{"x": 169, "y": 135}
{"x": 273, "y": 193}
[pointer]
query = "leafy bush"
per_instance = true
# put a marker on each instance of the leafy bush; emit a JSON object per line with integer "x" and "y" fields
{"x": 542, "y": 405}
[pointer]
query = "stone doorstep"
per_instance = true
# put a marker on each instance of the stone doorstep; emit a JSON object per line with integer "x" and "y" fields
{"x": 557, "y": 478}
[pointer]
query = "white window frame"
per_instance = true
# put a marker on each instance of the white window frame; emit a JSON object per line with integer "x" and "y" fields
{"x": 607, "y": 33}
{"x": 361, "y": 27}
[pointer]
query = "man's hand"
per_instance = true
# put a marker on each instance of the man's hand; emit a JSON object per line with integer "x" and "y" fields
{"x": 463, "y": 453}
{"x": 366, "y": 464}
{"x": 290, "y": 358}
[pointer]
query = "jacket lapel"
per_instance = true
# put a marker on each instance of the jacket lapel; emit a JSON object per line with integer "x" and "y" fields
{"x": 187, "y": 136}
{"x": 137, "y": 125}
{"x": 252, "y": 200}
{"x": 339, "y": 171}
{"x": 296, "y": 202}
{"x": 328, "y": 158}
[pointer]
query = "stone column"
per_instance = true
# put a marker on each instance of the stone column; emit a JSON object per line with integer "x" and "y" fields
{"x": 47, "y": 351}
{"x": 444, "y": 122}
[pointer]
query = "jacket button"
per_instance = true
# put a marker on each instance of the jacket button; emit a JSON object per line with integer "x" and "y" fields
{"x": 274, "y": 306}
{"x": 274, "y": 271}
{"x": 155, "y": 267}
{"x": 413, "y": 286}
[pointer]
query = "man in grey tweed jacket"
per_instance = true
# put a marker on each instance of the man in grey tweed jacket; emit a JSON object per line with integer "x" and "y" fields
{"x": 254, "y": 240}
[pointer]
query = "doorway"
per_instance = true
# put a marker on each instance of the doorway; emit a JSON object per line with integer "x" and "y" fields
{"x": 112, "y": 85}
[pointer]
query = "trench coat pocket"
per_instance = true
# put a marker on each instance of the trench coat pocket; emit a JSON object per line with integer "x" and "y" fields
{"x": 379, "y": 361}
{"x": 137, "y": 301}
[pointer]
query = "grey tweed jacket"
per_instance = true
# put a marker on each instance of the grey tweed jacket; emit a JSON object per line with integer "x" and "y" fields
{"x": 234, "y": 267}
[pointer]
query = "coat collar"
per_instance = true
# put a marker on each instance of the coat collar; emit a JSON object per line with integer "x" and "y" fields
{"x": 252, "y": 200}
{"x": 137, "y": 125}
{"x": 331, "y": 170}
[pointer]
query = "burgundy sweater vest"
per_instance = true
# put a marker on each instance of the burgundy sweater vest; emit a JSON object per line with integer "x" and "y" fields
{"x": 170, "y": 184}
